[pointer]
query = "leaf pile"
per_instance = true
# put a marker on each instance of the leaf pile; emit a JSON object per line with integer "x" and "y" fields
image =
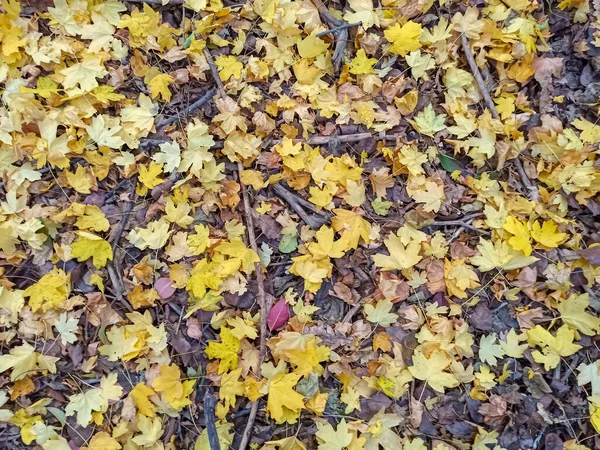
{"x": 355, "y": 225}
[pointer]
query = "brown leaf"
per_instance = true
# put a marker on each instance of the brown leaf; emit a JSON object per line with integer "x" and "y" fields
{"x": 494, "y": 411}
{"x": 381, "y": 180}
{"x": 546, "y": 68}
{"x": 100, "y": 312}
{"x": 416, "y": 412}
{"x": 526, "y": 318}
{"x": 435, "y": 276}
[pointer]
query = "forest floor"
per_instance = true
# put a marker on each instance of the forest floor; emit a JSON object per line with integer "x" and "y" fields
{"x": 291, "y": 225}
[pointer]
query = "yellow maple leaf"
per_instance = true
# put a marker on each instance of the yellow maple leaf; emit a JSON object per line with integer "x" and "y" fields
{"x": 84, "y": 74}
{"x": 140, "y": 395}
{"x": 284, "y": 403}
{"x": 573, "y": 313}
{"x": 91, "y": 246}
{"x": 231, "y": 387}
{"x": 312, "y": 46}
{"x": 229, "y": 66}
{"x": 322, "y": 196}
{"x": 333, "y": 439}
{"x": 80, "y": 181}
{"x": 401, "y": 257}
{"x": 361, "y": 65}
{"x": 547, "y": 235}
{"x": 200, "y": 241}
{"x": 92, "y": 218}
{"x": 325, "y": 246}
{"x": 352, "y": 226}
{"x": 590, "y": 132}
{"x": 520, "y": 239}
{"x": 308, "y": 358}
{"x": 381, "y": 313}
{"x": 428, "y": 122}
{"x": 252, "y": 178}
{"x": 242, "y": 327}
{"x": 51, "y": 291}
{"x": 553, "y": 347}
{"x": 151, "y": 430}
{"x": 149, "y": 177}
{"x": 159, "y": 86}
{"x": 314, "y": 271}
{"x": 459, "y": 277}
{"x": 364, "y": 13}
{"x": 431, "y": 370}
{"x": 499, "y": 255}
{"x": 22, "y": 360}
{"x": 237, "y": 249}
{"x": 511, "y": 346}
{"x": 226, "y": 350}
{"x": 431, "y": 194}
{"x": 169, "y": 383}
{"x": 155, "y": 236}
{"x": 407, "y": 103}
{"x": 405, "y": 38}
{"x": 142, "y": 298}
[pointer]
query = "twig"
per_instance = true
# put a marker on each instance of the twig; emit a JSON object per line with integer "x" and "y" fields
{"x": 189, "y": 110}
{"x": 157, "y": 2}
{"x": 209, "y": 417}
{"x": 533, "y": 193}
{"x": 262, "y": 302}
{"x": 214, "y": 71}
{"x": 458, "y": 223}
{"x": 324, "y": 140}
{"x": 339, "y": 30}
{"x": 114, "y": 241}
{"x": 304, "y": 203}
{"x": 117, "y": 286}
{"x": 311, "y": 220}
{"x": 339, "y": 27}
{"x": 477, "y": 74}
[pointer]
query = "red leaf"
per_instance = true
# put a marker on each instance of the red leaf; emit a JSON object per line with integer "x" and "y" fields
{"x": 279, "y": 315}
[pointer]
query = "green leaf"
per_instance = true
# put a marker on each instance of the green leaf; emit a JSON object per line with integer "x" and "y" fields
{"x": 449, "y": 163}
{"x": 380, "y": 206}
{"x": 288, "y": 243}
{"x": 188, "y": 41}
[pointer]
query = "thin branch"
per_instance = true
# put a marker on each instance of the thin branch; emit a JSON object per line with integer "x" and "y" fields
{"x": 477, "y": 74}
{"x": 157, "y": 2}
{"x": 262, "y": 302}
{"x": 314, "y": 221}
{"x": 458, "y": 223}
{"x": 114, "y": 241}
{"x": 533, "y": 193}
{"x": 117, "y": 286}
{"x": 339, "y": 27}
{"x": 324, "y": 140}
{"x": 214, "y": 71}
{"x": 209, "y": 417}
{"x": 189, "y": 110}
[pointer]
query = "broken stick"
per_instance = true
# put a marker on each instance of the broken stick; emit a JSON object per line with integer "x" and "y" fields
{"x": 262, "y": 302}
{"x": 533, "y": 192}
